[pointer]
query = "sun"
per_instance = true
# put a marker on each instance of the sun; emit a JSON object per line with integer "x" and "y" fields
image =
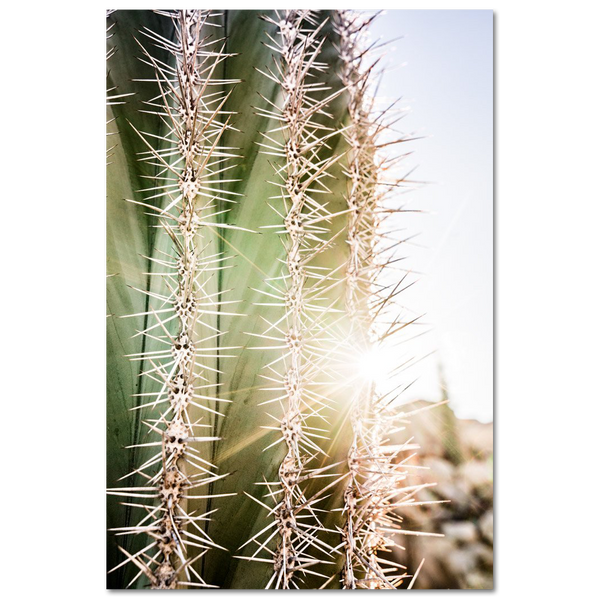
{"x": 374, "y": 365}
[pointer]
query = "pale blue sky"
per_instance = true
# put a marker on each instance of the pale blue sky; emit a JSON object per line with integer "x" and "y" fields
{"x": 443, "y": 69}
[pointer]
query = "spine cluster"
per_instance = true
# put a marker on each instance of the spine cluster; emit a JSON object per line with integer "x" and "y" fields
{"x": 189, "y": 160}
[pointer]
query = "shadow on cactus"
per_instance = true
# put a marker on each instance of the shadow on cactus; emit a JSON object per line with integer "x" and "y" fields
{"x": 255, "y": 344}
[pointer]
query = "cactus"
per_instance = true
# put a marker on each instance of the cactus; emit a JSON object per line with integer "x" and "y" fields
{"x": 249, "y": 279}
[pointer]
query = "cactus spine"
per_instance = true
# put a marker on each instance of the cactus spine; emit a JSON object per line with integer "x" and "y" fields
{"x": 112, "y": 97}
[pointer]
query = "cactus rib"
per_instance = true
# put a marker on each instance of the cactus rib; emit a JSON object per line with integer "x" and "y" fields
{"x": 190, "y": 156}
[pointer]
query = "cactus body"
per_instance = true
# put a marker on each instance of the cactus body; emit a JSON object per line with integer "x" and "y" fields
{"x": 246, "y": 203}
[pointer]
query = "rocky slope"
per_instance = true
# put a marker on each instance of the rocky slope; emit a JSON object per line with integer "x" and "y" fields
{"x": 457, "y": 455}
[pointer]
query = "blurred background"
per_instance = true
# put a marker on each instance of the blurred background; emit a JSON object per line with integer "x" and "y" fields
{"x": 442, "y": 67}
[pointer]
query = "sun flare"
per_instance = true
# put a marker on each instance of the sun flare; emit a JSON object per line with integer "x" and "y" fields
{"x": 374, "y": 365}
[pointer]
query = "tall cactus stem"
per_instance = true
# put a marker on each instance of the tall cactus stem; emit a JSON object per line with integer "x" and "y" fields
{"x": 297, "y": 43}
{"x": 192, "y": 157}
{"x": 375, "y": 479}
